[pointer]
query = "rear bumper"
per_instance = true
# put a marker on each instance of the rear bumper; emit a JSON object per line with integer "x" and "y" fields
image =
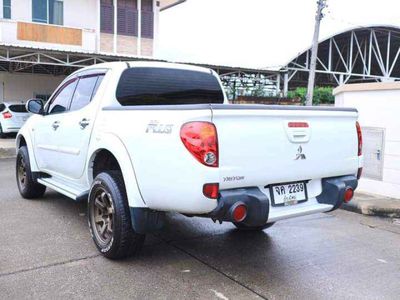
{"x": 260, "y": 211}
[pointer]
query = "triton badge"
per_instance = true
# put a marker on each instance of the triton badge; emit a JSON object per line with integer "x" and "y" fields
{"x": 300, "y": 154}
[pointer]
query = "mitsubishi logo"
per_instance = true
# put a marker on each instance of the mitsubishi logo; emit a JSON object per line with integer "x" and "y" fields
{"x": 300, "y": 154}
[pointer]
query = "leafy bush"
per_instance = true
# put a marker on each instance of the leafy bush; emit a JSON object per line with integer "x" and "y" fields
{"x": 322, "y": 95}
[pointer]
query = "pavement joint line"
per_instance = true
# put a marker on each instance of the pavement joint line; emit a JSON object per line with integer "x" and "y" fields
{"x": 213, "y": 268}
{"x": 49, "y": 265}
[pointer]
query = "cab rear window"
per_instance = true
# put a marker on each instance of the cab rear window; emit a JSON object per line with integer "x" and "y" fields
{"x": 165, "y": 86}
{"x": 18, "y": 108}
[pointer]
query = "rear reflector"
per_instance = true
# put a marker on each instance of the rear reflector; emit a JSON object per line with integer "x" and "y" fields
{"x": 211, "y": 190}
{"x": 359, "y": 137}
{"x": 348, "y": 194}
{"x": 239, "y": 213}
{"x": 7, "y": 115}
{"x": 298, "y": 125}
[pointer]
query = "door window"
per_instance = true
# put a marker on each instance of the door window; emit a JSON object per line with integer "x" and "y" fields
{"x": 60, "y": 102}
{"x": 85, "y": 91}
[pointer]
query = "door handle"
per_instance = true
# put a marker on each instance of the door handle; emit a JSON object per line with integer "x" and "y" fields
{"x": 55, "y": 125}
{"x": 83, "y": 123}
{"x": 378, "y": 154}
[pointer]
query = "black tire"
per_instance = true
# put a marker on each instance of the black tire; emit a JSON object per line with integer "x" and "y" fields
{"x": 28, "y": 187}
{"x": 245, "y": 227}
{"x": 109, "y": 217}
{"x": 2, "y": 134}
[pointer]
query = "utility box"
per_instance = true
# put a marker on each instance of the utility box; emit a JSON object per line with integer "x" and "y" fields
{"x": 378, "y": 105}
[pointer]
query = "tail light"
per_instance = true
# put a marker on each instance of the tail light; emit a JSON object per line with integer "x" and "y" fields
{"x": 7, "y": 115}
{"x": 211, "y": 190}
{"x": 360, "y": 142}
{"x": 359, "y": 137}
{"x": 200, "y": 138}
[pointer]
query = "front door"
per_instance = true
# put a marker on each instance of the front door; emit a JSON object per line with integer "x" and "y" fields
{"x": 47, "y": 133}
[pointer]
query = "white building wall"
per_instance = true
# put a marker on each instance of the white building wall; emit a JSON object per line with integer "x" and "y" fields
{"x": 379, "y": 106}
{"x": 19, "y": 87}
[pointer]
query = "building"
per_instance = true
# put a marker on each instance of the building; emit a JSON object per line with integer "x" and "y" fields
{"x": 42, "y": 41}
{"x": 378, "y": 106}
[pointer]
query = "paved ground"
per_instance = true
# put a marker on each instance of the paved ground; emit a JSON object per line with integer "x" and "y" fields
{"x": 46, "y": 252}
{"x": 7, "y": 146}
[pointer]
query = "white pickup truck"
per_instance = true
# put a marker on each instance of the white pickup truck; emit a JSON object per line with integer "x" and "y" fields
{"x": 140, "y": 139}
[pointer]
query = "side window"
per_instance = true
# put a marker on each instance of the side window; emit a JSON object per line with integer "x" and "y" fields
{"x": 61, "y": 101}
{"x": 2, "y": 107}
{"x": 83, "y": 93}
{"x": 99, "y": 80}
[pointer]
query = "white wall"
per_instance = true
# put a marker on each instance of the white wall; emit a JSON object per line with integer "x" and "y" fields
{"x": 21, "y": 87}
{"x": 379, "y": 108}
{"x": 77, "y": 13}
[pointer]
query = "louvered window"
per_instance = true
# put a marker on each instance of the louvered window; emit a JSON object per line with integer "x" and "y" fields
{"x": 127, "y": 17}
{"x": 107, "y": 16}
{"x": 147, "y": 19}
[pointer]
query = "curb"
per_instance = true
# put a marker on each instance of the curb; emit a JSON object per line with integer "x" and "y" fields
{"x": 388, "y": 208}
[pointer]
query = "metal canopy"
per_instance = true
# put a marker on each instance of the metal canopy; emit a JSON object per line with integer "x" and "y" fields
{"x": 237, "y": 80}
{"x": 357, "y": 55}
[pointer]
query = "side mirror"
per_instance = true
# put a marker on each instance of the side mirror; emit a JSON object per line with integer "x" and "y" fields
{"x": 35, "y": 106}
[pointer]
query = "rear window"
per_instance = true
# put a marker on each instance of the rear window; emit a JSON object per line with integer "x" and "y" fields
{"x": 18, "y": 108}
{"x": 2, "y": 107}
{"x": 163, "y": 86}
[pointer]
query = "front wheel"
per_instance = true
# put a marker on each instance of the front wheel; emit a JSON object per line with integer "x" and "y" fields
{"x": 28, "y": 187}
{"x": 109, "y": 217}
{"x": 242, "y": 226}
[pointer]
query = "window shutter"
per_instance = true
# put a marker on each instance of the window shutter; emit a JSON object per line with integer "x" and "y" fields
{"x": 107, "y": 17}
{"x": 147, "y": 19}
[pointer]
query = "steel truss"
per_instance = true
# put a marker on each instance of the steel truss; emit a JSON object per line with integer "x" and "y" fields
{"x": 358, "y": 55}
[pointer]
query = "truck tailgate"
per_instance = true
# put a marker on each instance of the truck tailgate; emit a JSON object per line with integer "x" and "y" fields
{"x": 262, "y": 145}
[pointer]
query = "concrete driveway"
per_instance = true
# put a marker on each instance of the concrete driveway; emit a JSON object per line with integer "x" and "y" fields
{"x": 7, "y": 147}
{"x": 47, "y": 253}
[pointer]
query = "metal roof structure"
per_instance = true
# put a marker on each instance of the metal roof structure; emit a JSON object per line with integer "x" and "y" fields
{"x": 361, "y": 54}
{"x": 55, "y": 61}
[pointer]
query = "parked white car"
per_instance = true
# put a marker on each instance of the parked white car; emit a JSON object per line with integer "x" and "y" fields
{"x": 12, "y": 117}
{"x": 140, "y": 139}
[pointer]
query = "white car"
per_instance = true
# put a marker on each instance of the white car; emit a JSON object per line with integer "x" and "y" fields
{"x": 12, "y": 117}
{"x": 139, "y": 139}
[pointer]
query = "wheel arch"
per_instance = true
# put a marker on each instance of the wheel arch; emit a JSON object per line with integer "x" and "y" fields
{"x": 112, "y": 149}
{"x": 23, "y": 139}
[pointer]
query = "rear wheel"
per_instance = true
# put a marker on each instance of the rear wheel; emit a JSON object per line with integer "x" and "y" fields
{"x": 242, "y": 226}
{"x": 109, "y": 217}
{"x": 28, "y": 187}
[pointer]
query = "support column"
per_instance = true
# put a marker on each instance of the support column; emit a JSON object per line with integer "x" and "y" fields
{"x": 278, "y": 84}
{"x": 139, "y": 40}
{"x": 285, "y": 84}
{"x": 115, "y": 26}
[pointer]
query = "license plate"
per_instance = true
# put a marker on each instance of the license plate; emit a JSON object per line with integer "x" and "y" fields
{"x": 288, "y": 194}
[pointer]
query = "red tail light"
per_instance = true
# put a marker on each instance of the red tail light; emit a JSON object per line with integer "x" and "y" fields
{"x": 7, "y": 115}
{"x": 359, "y": 136}
{"x": 200, "y": 138}
{"x": 211, "y": 190}
{"x": 298, "y": 125}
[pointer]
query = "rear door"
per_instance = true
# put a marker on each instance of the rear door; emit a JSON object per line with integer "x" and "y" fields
{"x": 77, "y": 126}
{"x": 264, "y": 146}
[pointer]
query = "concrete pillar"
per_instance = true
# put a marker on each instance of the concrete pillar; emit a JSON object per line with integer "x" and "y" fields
{"x": 278, "y": 84}
{"x": 285, "y": 84}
